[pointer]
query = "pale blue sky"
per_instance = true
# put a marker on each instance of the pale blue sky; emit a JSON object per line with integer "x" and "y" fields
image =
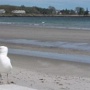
{"x": 58, "y": 4}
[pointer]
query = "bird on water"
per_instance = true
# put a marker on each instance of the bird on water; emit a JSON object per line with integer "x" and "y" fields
{"x": 5, "y": 63}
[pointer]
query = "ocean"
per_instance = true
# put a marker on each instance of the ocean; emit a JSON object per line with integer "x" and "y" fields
{"x": 75, "y": 23}
{"x": 50, "y": 22}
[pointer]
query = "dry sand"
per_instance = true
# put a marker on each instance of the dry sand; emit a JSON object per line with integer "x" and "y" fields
{"x": 47, "y": 74}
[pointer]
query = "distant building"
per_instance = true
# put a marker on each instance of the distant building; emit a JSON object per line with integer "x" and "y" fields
{"x": 19, "y": 11}
{"x": 2, "y": 11}
{"x": 58, "y": 12}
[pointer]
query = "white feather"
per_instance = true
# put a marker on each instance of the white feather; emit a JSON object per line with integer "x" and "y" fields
{"x": 5, "y": 64}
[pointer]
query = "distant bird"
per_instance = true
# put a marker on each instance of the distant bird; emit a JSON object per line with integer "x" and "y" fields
{"x": 5, "y": 63}
{"x": 43, "y": 22}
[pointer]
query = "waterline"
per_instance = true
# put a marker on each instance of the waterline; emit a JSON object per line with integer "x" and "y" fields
{"x": 49, "y": 55}
{"x": 49, "y": 44}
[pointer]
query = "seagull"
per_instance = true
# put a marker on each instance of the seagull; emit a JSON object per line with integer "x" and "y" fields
{"x": 5, "y": 63}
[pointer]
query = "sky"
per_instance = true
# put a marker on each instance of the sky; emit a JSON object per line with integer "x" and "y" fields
{"x": 58, "y": 4}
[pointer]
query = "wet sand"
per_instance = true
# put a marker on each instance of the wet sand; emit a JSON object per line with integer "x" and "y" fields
{"x": 44, "y": 34}
{"x": 42, "y": 73}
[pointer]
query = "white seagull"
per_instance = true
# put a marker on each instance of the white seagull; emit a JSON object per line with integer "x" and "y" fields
{"x": 5, "y": 64}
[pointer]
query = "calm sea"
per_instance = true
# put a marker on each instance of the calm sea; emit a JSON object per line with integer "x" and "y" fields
{"x": 51, "y": 22}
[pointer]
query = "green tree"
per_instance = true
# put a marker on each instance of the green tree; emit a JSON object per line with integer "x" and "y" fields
{"x": 86, "y": 12}
{"x": 80, "y": 10}
{"x": 72, "y": 12}
{"x": 52, "y": 9}
{"x": 22, "y": 7}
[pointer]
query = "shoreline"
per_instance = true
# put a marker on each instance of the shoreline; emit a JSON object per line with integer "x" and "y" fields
{"x": 50, "y": 55}
{"x": 30, "y": 15}
{"x": 42, "y": 26}
{"x": 43, "y": 34}
{"x": 42, "y": 73}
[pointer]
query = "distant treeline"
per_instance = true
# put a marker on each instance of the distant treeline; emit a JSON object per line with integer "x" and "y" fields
{"x": 29, "y": 10}
{"x": 43, "y": 11}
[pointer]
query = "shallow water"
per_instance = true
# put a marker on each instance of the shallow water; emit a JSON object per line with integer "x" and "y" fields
{"x": 56, "y": 56}
{"x": 53, "y": 44}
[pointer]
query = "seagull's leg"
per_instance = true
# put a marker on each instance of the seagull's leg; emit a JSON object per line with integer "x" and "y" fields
{"x": 7, "y": 79}
{"x": 1, "y": 78}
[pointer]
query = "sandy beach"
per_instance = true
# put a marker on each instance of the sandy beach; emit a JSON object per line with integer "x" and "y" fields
{"x": 43, "y": 73}
{"x": 36, "y": 33}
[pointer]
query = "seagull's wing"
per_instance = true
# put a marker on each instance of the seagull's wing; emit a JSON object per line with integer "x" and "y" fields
{"x": 5, "y": 64}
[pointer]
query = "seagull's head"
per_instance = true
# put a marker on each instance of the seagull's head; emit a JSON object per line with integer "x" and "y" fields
{"x": 3, "y": 50}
